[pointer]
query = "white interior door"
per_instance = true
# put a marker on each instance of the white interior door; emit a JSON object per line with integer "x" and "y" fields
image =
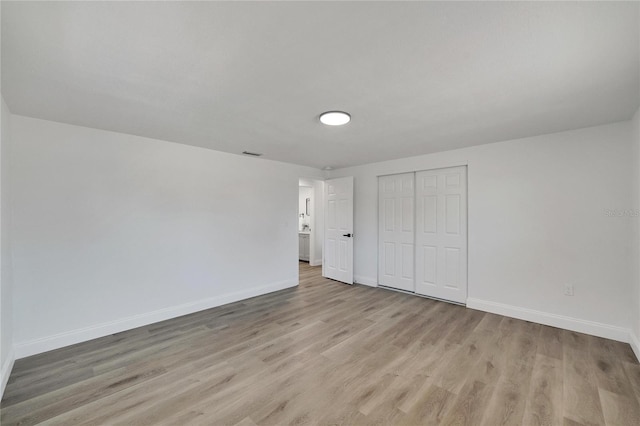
{"x": 338, "y": 230}
{"x": 396, "y": 231}
{"x": 441, "y": 233}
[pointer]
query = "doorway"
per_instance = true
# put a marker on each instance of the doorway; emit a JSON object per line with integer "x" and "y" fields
{"x": 310, "y": 220}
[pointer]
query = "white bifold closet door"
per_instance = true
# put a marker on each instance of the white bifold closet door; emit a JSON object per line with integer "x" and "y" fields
{"x": 441, "y": 233}
{"x": 396, "y": 231}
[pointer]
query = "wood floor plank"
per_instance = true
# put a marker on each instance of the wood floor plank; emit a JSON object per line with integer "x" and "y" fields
{"x": 470, "y": 406}
{"x": 633, "y": 374}
{"x": 544, "y": 402}
{"x": 453, "y": 374}
{"x": 607, "y": 367}
{"x": 550, "y": 342}
{"x": 581, "y": 401}
{"x": 619, "y": 409}
{"x": 430, "y": 407}
{"x": 330, "y": 353}
{"x": 507, "y": 404}
{"x": 401, "y": 389}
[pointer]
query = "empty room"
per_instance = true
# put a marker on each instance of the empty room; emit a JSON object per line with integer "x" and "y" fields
{"x": 323, "y": 213}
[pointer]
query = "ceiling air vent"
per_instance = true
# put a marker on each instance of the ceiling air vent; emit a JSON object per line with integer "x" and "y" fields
{"x": 253, "y": 154}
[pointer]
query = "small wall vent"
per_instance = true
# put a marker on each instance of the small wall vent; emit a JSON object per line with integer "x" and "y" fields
{"x": 253, "y": 154}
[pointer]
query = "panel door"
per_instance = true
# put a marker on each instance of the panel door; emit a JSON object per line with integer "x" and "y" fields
{"x": 396, "y": 231}
{"x": 338, "y": 231}
{"x": 441, "y": 233}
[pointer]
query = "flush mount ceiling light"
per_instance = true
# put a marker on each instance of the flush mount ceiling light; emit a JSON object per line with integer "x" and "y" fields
{"x": 334, "y": 118}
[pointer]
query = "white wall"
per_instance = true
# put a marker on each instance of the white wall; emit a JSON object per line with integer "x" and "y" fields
{"x": 635, "y": 160}
{"x": 635, "y": 163}
{"x": 536, "y": 221}
{"x": 6, "y": 286}
{"x": 113, "y": 231}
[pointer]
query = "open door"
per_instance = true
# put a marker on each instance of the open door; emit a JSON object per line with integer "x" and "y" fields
{"x": 338, "y": 230}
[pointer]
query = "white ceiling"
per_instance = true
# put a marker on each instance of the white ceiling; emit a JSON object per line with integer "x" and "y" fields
{"x": 416, "y": 77}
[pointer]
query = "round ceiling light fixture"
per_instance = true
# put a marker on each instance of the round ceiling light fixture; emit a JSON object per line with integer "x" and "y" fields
{"x": 335, "y": 118}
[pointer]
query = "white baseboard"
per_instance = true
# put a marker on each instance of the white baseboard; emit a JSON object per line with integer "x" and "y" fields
{"x": 635, "y": 344}
{"x": 316, "y": 262}
{"x": 56, "y": 341}
{"x": 593, "y": 328}
{"x": 5, "y": 372}
{"x": 371, "y": 282}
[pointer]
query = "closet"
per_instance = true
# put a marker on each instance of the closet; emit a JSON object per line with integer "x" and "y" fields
{"x": 422, "y": 220}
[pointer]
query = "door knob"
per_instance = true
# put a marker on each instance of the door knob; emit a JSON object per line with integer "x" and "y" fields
{"x": 346, "y": 235}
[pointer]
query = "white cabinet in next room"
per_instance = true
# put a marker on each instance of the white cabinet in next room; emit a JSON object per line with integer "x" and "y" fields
{"x": 303, "y": 247}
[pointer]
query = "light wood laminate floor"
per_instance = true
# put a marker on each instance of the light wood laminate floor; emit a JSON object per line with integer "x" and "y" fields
{"x": 329, "y": 353}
